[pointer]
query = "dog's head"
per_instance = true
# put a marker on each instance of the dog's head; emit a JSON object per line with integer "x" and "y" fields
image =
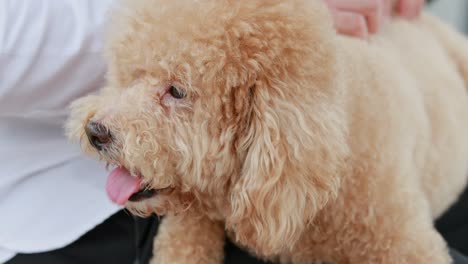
{"x": 231, "y": 107}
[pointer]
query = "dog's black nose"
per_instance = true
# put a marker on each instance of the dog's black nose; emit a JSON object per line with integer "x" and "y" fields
{"x": 98, "y": 135}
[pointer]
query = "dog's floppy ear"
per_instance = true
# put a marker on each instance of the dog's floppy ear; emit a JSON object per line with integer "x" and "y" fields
{"x": 293, "y": 150}
{"x": 288, "y": 112}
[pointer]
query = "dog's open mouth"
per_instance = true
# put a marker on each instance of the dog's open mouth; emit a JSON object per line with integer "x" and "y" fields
{"x": 122, "y": 187}
{"x": 145, "y": 193}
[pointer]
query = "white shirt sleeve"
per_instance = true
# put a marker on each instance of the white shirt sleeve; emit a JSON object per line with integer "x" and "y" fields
{"x": 6, "y": 255}
{"x": 50, "y": 54}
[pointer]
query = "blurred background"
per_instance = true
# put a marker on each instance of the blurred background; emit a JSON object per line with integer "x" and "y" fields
{"x": 453, "y": 11}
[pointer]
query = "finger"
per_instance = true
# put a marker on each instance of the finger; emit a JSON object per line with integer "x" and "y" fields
{"x": 371, "y": 9}
{"x": 375, "y": 17}
{"x": 351, "y": 24}
{"x": 410, "y": 8}
{"x": 390, "y": 7}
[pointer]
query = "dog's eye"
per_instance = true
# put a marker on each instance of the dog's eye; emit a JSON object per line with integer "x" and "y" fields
{"x": 176, "y": 92}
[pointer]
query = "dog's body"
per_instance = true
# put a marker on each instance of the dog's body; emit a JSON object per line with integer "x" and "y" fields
{"x": 408, "y": 124}
{"x": 313, "y": 148}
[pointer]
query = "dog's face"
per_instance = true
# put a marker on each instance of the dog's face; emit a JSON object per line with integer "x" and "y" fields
{"x": 226, "y": 107}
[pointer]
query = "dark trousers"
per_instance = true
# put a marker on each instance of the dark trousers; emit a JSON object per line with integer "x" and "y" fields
{"x": 123, "y": 239}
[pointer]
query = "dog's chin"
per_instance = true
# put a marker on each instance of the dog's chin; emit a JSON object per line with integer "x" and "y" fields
{"x": 157, "y": 204}
{"x": 166, "y": 201}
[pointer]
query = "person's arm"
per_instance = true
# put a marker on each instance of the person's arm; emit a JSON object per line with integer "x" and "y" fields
{"x": 50, "y": 54}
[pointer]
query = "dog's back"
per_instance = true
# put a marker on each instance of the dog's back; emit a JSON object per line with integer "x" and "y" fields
{"x": 445, "y": 179}
{"x": 409, "y": 106}
{"x": 406, "y": 101}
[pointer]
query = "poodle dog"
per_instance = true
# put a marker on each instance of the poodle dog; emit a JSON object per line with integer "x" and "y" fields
{"x": 256, "y": 120}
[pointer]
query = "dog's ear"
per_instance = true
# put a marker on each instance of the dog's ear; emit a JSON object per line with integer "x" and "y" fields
{"x": 293, "y": 152}
{"x": 285, "y": 105}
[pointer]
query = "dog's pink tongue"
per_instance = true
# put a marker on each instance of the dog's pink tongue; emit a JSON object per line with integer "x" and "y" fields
{"x": 121, "y": 185}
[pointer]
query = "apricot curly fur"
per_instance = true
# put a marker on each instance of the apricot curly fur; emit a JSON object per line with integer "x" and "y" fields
{"x": 304, "y": 146}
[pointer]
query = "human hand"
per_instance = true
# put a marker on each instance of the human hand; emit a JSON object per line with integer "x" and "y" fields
{"x": 363, "y": 17}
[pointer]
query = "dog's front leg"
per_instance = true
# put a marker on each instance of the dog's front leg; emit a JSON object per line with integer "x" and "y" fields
{"x": 189, "y": 239}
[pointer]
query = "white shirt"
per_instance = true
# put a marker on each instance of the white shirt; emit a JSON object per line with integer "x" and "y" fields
{"x": 50, "y": 54}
